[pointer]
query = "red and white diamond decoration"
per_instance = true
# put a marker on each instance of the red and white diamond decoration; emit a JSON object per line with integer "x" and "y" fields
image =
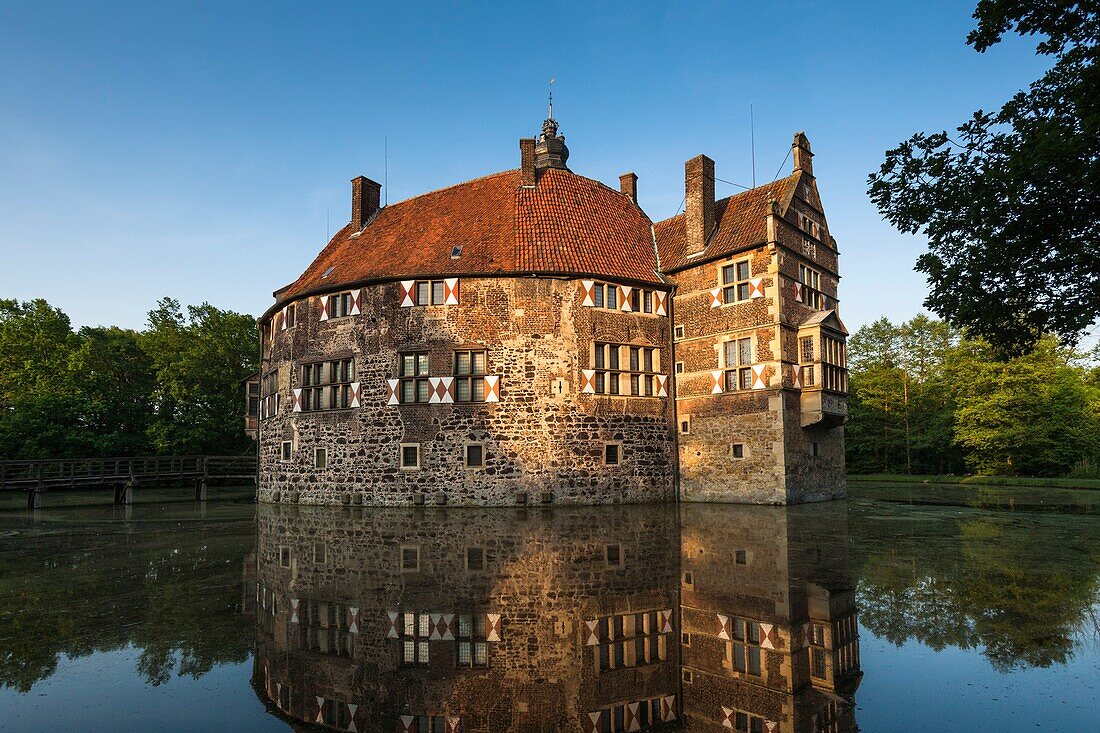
{"x": 756, "y": 287}
{"x": 324, "y": 307}
{"x": 796, "y": 376}
{"x": 715, "y": 297}
{"x": 592, "y": 722}
{"x": 660, "y": 302}
{"x": 393, "y": 391}
{"x": 408, "y": 293}
{"x": 296, "y": 400}
{"x": 450, "y": 291}
{"x": 451, "y": 725}
{"x": 282, "y": 318}
{"x": 624, "y": 298}
{"x": 592, "y": 638}
{"x": 355, "y": 394}
{"x": 293, "y": 610}
{"x": 725, "y": 631}
{"x": 394, "y": 630}
{"x": 798, "y": 291}
{"x": 662, "y": 385}
{"x": 769, "y": 636}
{"x": 668, "y": 708}
{"x": 492, "y": 388}
{"x": 632, "y": 720}
{"x": 319, "y": 715}
{"x": 758, "y": 376}
{"x": 727, "y": 717}
{"x": 356, "y": 302}
{"x": 588, "y": 381}
{"x": 493, "y": 627}
{"x": 716, "y": 385}
{"x": 664, "y": 621}
{"x": 407, "y": 724}
{"x": 441, "y": 390}
{"x": 771, "y": 727}
{"x": 588, "y": 288}
{"x": 351, "y": 708}
{"x": 353, "y": 620}
{"x": 442, "y": 627}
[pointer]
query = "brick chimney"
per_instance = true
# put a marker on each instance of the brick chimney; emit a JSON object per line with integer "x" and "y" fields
{"x": 800, "y": 151}
{"x": 698, "y": 201}
{"x": 527, "y": 161}
{"x": 366, "y": 199}
{"x": 628, "y": 184}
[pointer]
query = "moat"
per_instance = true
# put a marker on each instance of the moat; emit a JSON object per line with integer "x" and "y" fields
{"x": 953, "y": 610}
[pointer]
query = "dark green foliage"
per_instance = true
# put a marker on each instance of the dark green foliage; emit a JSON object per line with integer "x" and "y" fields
{"x": 1011, "y": 204}
{"x": 923, "y": 401}
{"x": 174, "y": 388}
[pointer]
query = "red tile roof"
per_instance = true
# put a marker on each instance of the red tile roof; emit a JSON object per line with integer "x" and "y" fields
{"x": 565, "y": 224}
{"x": 742, "y": 221}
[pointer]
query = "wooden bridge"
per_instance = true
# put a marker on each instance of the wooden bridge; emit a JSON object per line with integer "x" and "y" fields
{"x": 122, "y": 474}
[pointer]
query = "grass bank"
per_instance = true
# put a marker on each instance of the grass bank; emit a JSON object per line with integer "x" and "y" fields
{"x": 1022, "y": 481}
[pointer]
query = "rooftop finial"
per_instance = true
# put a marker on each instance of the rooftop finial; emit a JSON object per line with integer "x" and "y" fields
{"x": 550, "y": 150}
{"x": 550, "y": 111}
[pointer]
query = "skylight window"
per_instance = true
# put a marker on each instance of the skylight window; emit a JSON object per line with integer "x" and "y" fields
{"x": 456, "y": 251}
{"x": 328, "y": 272}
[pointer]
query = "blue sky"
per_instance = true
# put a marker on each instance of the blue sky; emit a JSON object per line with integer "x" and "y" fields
{"x": 203, "y": 150}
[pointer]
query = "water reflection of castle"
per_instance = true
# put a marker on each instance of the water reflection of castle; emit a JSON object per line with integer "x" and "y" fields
{"x": 693, "y": 618}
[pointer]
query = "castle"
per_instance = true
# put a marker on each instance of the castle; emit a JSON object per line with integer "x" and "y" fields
{"x": 532, "y": 337}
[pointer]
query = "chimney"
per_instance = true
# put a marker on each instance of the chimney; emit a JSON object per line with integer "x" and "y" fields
{"x": 628, "y": 184}
{"x": 803, "y": 157}
{"x": 698, "y": 201}
{"x": 366, "y": 199}
{"x": 527, "y": 161}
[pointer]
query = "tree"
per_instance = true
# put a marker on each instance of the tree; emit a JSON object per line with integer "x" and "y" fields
{"x": 1011, "y": 205}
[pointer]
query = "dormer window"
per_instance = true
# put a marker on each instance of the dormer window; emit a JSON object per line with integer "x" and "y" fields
{"x": 456, "y": 251}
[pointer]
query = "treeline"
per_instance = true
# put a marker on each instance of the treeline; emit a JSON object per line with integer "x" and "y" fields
{"x": 925, "y": 400}
{"x": 174, "y": 388}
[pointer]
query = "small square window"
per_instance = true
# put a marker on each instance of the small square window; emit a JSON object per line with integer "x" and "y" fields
{"x": 679, "y": 367}
{"x": 685, "y": 639}
{"x": 611, "y": 453}
{"x": 475, "y": 455}
{"x": 678, "y": 332}
{"x": 741, "y": 557}
{"x": 475, "y": 558}
{"x": 456, "y": 251}
{"x": 320, "y": 458}
{"x": 685, "y": 425}
{"x": 410, "y": 456}
{"x": 410, "y": 559}
{"x": 285, "y": 450}
{"x": 738, "y": 450}
{"x": 689, "y": 578}
{"x": 689, "y": 677}
{"x": 613, "y": 554}
{"x": 284, "y": 557}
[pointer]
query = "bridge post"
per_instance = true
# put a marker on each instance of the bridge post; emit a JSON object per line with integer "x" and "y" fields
{"x": 124, "y": 493}
{"x": 34, "y": 496}
{"x": 200, "y": 489}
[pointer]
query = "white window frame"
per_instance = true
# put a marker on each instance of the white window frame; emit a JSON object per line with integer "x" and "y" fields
{"x": 401, "y": 457}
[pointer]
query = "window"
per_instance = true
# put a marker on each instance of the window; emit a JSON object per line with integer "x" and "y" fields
{"x": 269, "y": 395}
{"x": 688, "y": 676}
{"x": 324, "y": 628}
{"x": 410, "y": 456}
{"x": 613, "y": 719}
{"x": 284, "y": 557}
{"x": 685, "y": 425}
{"x": 743, "y": 649}
{"x": 630, "y": 640}
{"x": 685, "y": 639}
{"x": 475, "y": 455}
{"x": 326, "y": 385}
{"x": 806, "y": 349}
{"x": 607, "y": 295}
{"x": 475, "y": 558}
{"x": 471, "y": 647}
{"x": 745, "y": 723}
{"x": 625, "y": 370}
{"x": 469, "y": 371}
{"x": 430, "y": 292}
{"x": 834, "y": 357}
{"x": 456, "y": 251}
{"x": 738, "y": 450}
{"x": 410, "y": 559}
{"x": 741, "y": 557}
{"x": 285, "y": 450}
{"x": 809, "y": 226}
{"x": 291, "y": 318}
{"x": 679, "y": 367}
{"x": 320, "y": 458}
{"x": 735, "y": 282}
{"x": 253, "y": 399}
{"x": 738, "y": 366}
{"x": 816, "y": 449}
{"x": 812, "y": 296}
{"x": 320, "y": 552}
{"x": 414, "y": 639}
{"x": 611, "y": 453}
{"x": 338, "y": 305}
{"x": 613, "y": 556}
{"x": 413, "y": 371}
{"x": 678, "y": 332}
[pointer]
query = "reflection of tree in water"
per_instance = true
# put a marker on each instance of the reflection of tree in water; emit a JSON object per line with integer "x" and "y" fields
{"x": 172, "y": 591}
{"x": 1019, "y": 588}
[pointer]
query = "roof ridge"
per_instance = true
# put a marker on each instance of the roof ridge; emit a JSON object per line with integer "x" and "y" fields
{"x": 453, "y": 185}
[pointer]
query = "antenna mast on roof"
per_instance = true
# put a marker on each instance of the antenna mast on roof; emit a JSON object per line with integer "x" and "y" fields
{"x": 386, "y": 170}
{"x": 752, "y": 139}
{"x": 550, "y": 109}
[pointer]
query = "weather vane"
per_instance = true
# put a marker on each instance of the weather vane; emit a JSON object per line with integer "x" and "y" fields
{"x": 550, "y": 112}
